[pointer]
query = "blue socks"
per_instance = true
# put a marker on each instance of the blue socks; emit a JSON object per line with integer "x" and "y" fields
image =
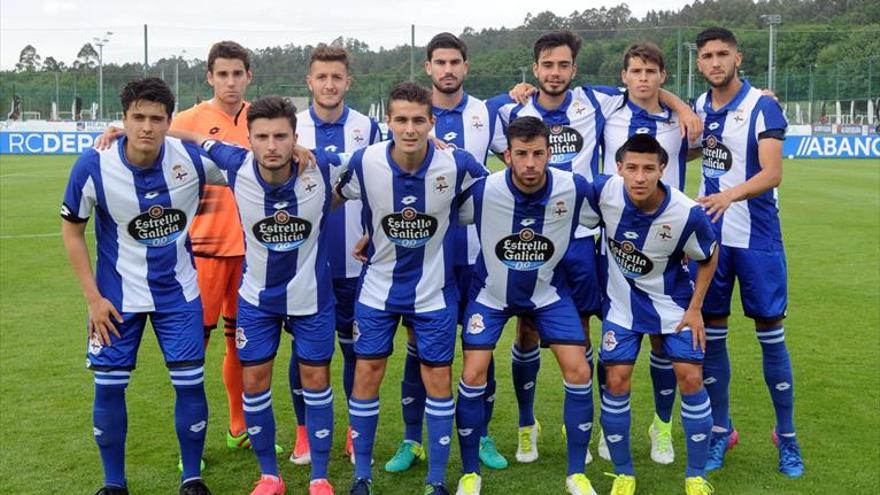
{"x": 696, "y": 420}
{"x": 525, "y": 364}
{"x": 319, "y": 423}
{"x": 299, "y": 405}
{"x": 778, "y": 376}
{"x": 663, "y": 379}
{"x": 716, "y": 376}
{"x": 616, "y": 421}
{"x": 348, "y": 363}
{"x": 190, "y": 417}
{"x": 439, "y": 416}
{"x": 469, "y": 419}
{"x": 412, "y": 395}
{"x": 489, "y": 403}
{"x": 261, "y": 429}
{"x": 110, "y": 423}
{"x": 363, "y": 416}
{"x": 577, "y": 414}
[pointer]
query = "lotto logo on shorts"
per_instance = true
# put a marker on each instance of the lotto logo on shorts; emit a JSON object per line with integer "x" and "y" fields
{"x": 609, "y": 341}
{"x": 240, "y": 338}
{"x": 475, "y": 324}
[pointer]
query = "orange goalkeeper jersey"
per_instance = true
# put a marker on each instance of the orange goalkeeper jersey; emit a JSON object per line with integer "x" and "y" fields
{"x": 216, "y": 229}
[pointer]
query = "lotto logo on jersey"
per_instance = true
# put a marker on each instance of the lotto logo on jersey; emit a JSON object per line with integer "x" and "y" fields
{"x": 717, "y": 158}
{"x": 282, "y": 231}
{"x": 158, "y": 226}
{"x": 565, "y": 144}
{"x": 632, "y": 262}
{"x": 409, "y": 228}
{"x": 525, "y": 251}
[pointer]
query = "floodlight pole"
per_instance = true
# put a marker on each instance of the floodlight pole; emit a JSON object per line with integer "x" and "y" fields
{"x": 772, "y": 20}
{"x": 100, "y": 42}
{"x": 691, "y": 48}
{"x": 522, "y": 70}
{"x": 177, "y": 80}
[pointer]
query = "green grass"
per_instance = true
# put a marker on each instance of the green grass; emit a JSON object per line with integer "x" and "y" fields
{"x": 831, "y": 222}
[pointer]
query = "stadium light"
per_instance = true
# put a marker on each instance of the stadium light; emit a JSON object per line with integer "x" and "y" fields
{"x": 772, "y": 20}
{"x": 522, "y": 70}
{"x": 692, "y": 47}
{"x": 100, "y": 42}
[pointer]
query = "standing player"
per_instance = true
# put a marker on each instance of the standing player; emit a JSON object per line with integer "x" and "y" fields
{"x": 525, "y": 217}
{"x": 145, "y": 191}
{"x": 409, "y": 193}
{"x": 329, "y": 125}
{"x": 465, "y": 122}
{"x": 742, "y": 167}
{"x": 649, "y": 228}
{"x": 217, "y": 241}
{"x": 643, "y": 74}
{"x": 576, "y": 118}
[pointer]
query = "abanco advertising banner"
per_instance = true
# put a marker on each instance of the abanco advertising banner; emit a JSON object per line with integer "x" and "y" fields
{"x": 832, "y": 146}
{"x": 46, "y": 143}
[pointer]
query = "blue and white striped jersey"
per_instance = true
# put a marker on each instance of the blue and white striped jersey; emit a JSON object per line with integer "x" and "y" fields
{"x": 730, "y": 157}
{"x": 648, "y": 287}
{"x": 631, "y": 119}
{"x": 144, "y": 257}
{"x": 350, "y": 133}
{"x": 286, "y": 268}
{"x": 408, "y": 217}
{"x": 524, "y": 236}
{"x": 470, "y": 126}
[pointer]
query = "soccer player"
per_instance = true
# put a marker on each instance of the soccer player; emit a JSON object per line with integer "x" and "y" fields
{"x": 328, "y": 124}
{"x": 465, "y": 122}
{"x": 649, "y": 228}
{"x": 643, "y": 74}
{"x": 576, "y": 118}
{"x": 742, "y": 168}
{"x": 217, "y": 245}
{"x": 145, "y": 191}
{"x": 525, "y": 217}
{"x": 409, "y": 192}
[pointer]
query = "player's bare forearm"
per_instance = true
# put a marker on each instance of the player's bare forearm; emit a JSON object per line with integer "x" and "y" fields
{"x": 770, "y": 176}
{"x": 185, "y": 135}
{"x": 705, "y": 272}
{"x": 691, "y": 124}
{"x": 694, "y": 153}
{"x": 337, "y": 200}
{"x": 74, "y": 236}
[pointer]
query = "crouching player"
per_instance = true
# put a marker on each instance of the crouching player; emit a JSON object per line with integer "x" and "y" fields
{"x": 287, "y": 279}
{"x": 525, "y": 218}
{"x": 650, "y": 227}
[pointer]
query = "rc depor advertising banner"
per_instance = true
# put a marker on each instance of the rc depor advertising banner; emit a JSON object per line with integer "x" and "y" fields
{"x": 46, "y": 143}
{"x": 832, "y": 146}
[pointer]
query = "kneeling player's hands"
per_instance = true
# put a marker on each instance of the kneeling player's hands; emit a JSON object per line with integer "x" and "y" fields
{"x": 106, "y": 139}
{"x": 693, "y": 319}
{"x": 360, "y": 249}
{"x": 716, "y": 204}
{"x": 101, "y": 316}
{"x": 522, "y": 92}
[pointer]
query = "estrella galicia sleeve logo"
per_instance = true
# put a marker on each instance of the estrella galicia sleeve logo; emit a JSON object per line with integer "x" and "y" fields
{"x": 282, "y": 231}
{"x": 525, "y": 250}
{"x": 158, "y": 226}
{"x": 717, "y": 158}
{"x": 632, "y": 262}
{"x": 409, "y": 228}
{"x": 565, "y": 144}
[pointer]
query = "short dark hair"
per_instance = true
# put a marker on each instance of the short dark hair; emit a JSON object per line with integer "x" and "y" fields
{"x": 642, "y": 143}
{"x": 527, "y": 129}
{"x": 715, "y": 33}
{"x": 562, "y": 37}
{"x": 272, "y": 107}
{"x": 411, "y": 92}
{"x": 228, "y": 49}
{"x": 147, "y": 89}
{"x": 645, "y": 50}
{"x": 327, "y": 53}
{"x": 446, "y": 40}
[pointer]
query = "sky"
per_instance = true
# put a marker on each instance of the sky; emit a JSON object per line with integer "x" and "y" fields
{"x": 59, "y": 28}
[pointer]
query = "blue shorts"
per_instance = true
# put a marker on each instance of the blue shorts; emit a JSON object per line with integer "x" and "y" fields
{"x": 180, "y": 335}
{"x": 434, "y": 334}
{"x": 557, "y": 323}
{"x": 346, "y": 291}
{"x": 621, "y": 345}
{"x": 582, "y": 276}
{"x": 463, "y": 276}
{"x": 762, "y": 283}
{"x": 259, "y": 333}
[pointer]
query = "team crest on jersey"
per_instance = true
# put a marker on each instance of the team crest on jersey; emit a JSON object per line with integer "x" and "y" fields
{"x": 308, "y": 183}
{"x": 525, "y": 250}
{"x": 739, "y": 115}
{"x": 240, "y": 338}
{"x": 560, "y": 209}
{"x": 632, "y": 262}
{"x": 664, "y": 233}
{"x": 578, "y": 107}
{"x": 358, "y": 136}
{"x": 565, "y": 144}
{"x": 476, "y": 122}
{"x": 179, "y": 173}
{"x": 409, "y": 228}
{"x": 440, "y": 184}
{"x": 475, "y": 324}
{"x": 282, "y": 231}
{"x": 717, "y": 158}
{"x": 158, "y": 226}
{"x": 609, "y": 341}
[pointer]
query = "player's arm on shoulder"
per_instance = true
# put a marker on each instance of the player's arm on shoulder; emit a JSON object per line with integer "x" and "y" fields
{"x": 499, "y": 105}
{"x": 349, "y": 186}
{"x": 689, "y": 122}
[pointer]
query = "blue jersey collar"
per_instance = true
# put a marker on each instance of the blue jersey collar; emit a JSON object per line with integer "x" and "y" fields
{"x": 420, "y": 172}
{"x": 563, "y": 108}
{"x": 734, "y": 103}
{"x": 541, "y": 196}
{"x": 457, "y": 109}
{"x": 157, "y": 165}
{"x": 641, "y": 112}
{"x": 632, "y": 208}
{"x": 320, "y": 123}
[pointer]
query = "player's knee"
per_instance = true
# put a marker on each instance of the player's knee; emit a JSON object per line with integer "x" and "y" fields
{"x": 690, "y": 381}
{"x": 762, "y": 324}
{"x": 576, "y": 373}
{"x": 315, "y": 377}
{"x": 438, "y": 380}
{"x": 617, "y": 383}
{"x": 474, "y": 377}
{"x": 256, "y": 378}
